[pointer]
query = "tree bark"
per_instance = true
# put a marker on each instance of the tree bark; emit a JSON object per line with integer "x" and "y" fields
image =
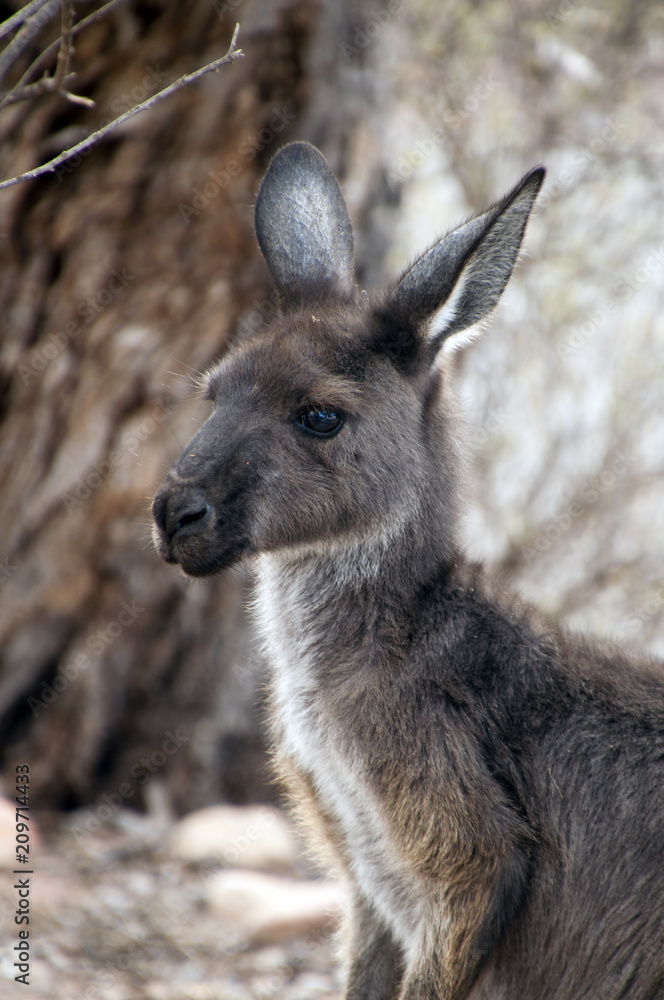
{"x": 124, "y": 276}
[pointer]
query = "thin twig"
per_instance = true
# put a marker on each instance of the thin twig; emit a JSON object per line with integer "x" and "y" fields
{"x": 26, "y": 34}
{"x": 87, "y": 102}
{"x": 20, "y": 16}
{"x": 49, "y": 84}
{"x": 95, "y": 137}
{"x": 43, "y": 86}
{"x": 21, "y": 91}
{"x": 65, "y": 50}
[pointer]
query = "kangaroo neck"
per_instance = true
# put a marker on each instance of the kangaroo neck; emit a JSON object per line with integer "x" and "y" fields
{"x": 339, "y": 605}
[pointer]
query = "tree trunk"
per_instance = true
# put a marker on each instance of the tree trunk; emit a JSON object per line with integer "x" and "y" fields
{"x": 124, "y": 276}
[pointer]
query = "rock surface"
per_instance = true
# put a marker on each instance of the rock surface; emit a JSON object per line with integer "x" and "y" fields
{"x": 265, "y": 909}
{"x": 240, "y": 836}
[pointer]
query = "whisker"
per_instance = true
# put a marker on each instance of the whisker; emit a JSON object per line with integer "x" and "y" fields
{"x": 184, "y": 364}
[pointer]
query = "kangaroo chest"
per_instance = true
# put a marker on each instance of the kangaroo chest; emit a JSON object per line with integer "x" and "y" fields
{"x": 308, "y": 736}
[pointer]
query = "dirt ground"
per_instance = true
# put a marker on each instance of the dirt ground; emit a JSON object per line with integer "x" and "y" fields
{"x": 117, "y": 917}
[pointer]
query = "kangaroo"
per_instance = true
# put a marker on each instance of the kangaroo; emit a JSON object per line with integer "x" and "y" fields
{"x": 489, "y": 785}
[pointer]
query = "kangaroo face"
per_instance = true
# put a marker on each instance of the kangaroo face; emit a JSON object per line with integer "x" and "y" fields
{"x": 315, "y": 437}
{"x": 331, "y": 427}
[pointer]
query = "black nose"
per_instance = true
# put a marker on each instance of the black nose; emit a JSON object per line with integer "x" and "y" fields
{"x": 182, "y": 511}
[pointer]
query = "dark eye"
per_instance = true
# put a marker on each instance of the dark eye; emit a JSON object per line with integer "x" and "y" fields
{"x": 320, "y": 420}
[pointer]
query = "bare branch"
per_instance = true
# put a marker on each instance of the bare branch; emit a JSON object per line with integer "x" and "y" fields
{"x": 43, "y": 86}
{"x": 20, "y": 16}
{"x": 16, "y": 94}
{"x": 49, "y": 84}
{"x": 78, "y": 98}
{"x": 65, "y": 50}
{"x": 31, "y": 27}
{"x": 95, "y": 137}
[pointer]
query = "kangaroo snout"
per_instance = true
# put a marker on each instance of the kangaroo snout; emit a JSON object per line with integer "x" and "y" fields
{"x": 182, "y": 515}
{"x": 181, "y": 511}
{"x": 203, "y": 534}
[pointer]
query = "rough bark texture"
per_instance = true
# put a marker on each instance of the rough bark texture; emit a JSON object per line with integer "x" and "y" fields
{"x": 123, "y": 276}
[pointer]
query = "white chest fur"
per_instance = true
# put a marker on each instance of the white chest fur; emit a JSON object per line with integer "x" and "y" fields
{"x": 306, "y": 734}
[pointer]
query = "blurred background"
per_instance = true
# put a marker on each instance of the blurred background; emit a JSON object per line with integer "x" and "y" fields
{"x": 130, "y": 269}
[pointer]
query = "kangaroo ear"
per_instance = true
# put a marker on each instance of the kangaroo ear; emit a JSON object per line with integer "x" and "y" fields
{"x": 460, "y": 279}
{"x": 303, "y": 227}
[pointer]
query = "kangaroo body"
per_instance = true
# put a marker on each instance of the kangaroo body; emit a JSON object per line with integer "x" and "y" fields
{"x": 453, "y": 806}
{"x": 489, "y": 786}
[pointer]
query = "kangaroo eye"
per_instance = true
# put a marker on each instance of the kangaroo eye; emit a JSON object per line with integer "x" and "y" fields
{"x": 320, "y": 421}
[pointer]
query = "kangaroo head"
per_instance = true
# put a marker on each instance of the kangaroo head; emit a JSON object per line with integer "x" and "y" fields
{"x": 332, "y": 427}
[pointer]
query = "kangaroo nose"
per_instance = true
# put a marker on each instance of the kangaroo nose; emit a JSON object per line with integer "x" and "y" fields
{"x": 183, "y": 512}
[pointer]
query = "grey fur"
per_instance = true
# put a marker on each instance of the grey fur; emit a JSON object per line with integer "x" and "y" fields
{"x": 489, "y": 785}
{"x": 303, "y": 227}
